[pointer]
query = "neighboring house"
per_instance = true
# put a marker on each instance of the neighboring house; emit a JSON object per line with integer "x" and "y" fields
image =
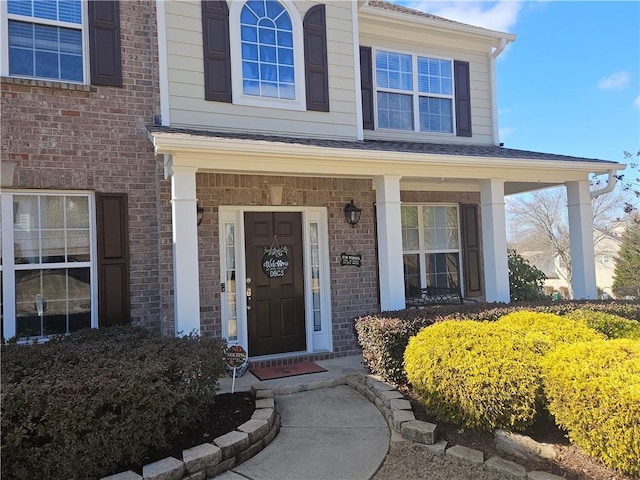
{"x": 606, "y": 246}
{"x": 267, "y": 119}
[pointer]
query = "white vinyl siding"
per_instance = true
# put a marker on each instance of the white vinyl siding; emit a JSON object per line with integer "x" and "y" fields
{"x": 186, "y": 81}
{"x": 449, "y": 45}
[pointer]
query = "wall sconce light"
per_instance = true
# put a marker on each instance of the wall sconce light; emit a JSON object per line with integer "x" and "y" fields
{"x": 352, "y": 213}
{"x": 199, "y": 214}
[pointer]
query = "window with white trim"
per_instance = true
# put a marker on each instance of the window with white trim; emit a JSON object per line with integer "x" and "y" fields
{"x": 431, "y": 246}
{"x": 45, "y": 39}
{"x": 267, "y": 54}
{"x": 48, "y": 264}
{"x": 267, "y": 50}
{"x": 413, "y": 92}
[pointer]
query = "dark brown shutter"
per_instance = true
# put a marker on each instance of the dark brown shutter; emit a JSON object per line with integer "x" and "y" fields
{"x": 366, "y": 86}
{"x": 463, "y": 98}
{"x": 113, "y": 259}
{"x": 471, "y": 251}
{"x": 217, "y": 59}
{"x": 316, "y": 67}
{"x": 105, "y": 58}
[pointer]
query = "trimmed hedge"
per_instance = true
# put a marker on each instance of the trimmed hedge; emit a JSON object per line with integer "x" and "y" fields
{"x": 593, "y": 390}
{"x": 383, "y": 337}
{"x": 88, "y": 404}
{"x": 468, "y": 375}
{"x": 613, "y": 326}
{"x": 487, "y": 375}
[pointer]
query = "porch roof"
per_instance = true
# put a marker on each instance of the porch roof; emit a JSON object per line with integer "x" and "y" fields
{"x": 426, "y": 148}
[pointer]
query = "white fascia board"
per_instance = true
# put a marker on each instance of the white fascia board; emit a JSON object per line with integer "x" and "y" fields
{"x": 215, "y": 150}
{"x": 391, "y": 16}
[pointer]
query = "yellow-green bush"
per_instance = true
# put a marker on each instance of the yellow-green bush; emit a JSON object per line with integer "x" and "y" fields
{"x": 593, "y": 389}
{"x": 613, "y": 326}
{"x": 543, "y": 332}
{"x": 467, "y": 374}
{"x": 486, "y": 374}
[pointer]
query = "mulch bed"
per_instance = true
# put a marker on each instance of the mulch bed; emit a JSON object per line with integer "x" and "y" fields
{"x": 229, "y": 411}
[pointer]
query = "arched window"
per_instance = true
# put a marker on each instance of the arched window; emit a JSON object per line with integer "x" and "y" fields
{"x": 267, "y": 45}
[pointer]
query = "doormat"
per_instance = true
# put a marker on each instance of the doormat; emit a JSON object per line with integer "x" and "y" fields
{"x": 281, "y": 371}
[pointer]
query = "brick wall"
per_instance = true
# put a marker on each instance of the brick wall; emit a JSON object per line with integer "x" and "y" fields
{"x": 354, "y": 290}
{"x": 79, "y": 137}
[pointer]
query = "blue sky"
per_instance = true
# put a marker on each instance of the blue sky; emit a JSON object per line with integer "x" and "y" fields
{"x": 570, "y": 83}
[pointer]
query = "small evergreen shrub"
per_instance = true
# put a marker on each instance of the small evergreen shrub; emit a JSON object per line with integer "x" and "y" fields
{"x": 383, "y": 341}
{"x": 88, "y": 404}
{"x": 526, "y": 281}
{"x": 593, "y": 389}
{"x": 469, "y": 375}
{"x": 612, "y": 326}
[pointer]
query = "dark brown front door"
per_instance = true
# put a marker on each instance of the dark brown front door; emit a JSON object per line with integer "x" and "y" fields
{"x": 275, "y": 291}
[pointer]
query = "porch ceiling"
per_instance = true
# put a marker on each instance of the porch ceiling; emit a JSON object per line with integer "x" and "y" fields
{"x": 422, "y": 166}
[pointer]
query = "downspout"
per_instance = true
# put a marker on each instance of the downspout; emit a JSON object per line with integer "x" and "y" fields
{"x": 611, "y": 184}
{"x": 494, "y": 95}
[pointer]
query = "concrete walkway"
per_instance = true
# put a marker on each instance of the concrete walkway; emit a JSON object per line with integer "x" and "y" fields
{"x": 326, "y": 433}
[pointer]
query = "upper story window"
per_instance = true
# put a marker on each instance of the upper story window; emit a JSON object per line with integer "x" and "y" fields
{"x": 413, "y": 92}
{"x": 267, "y": 54}
{"x": 267, "y": 50}
{"x": 45, "y": 39}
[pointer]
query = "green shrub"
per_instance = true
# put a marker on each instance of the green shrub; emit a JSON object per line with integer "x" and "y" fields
{"x": 613, "y": 326}
{"x": 383, "y": 341}
{"x": 469, "y": 375}
{"x": 526, "y": 281}
{"x": 593, "y": 390}
{"x": 383, "y": 337}
{"x": 88, "y": 404}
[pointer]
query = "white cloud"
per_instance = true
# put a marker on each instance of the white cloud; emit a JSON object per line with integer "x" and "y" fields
{"x": 615, "y": 81}
{"x": 501, "y": 15}
{"x": 636, "y": 102}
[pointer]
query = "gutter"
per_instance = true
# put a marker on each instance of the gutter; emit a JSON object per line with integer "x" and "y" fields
{"x": 494, "y": 94}
{"x": 611, "y": 184}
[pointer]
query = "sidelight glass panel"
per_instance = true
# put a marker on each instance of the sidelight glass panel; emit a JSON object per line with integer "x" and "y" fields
{"x": 230, "y": 280}
{"x": 315, "y": 276}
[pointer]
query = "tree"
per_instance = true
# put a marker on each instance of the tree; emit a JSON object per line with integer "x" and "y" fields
{"x": 627, "y": 272}
{"x": 540, "y": 227}
{"x": 525, "y": 280}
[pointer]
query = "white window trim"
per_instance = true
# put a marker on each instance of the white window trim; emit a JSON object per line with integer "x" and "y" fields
{"x": 415, "y": 93}
{"x": 4, "y": 41}
{"x": 421, "y": 252}
{"x": 321, "y": 341}
{"x": 239, "y": 98}
{"x": 8, "y": 269}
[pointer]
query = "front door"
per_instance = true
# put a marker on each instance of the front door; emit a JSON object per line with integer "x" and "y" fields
{"x": 275, "y": 282}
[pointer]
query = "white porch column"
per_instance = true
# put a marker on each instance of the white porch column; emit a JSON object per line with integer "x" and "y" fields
{"x": 494, "y": 241}
{"x": 583, "y": 265}
{"x": 186, "y": 285}
{"x": 389, "y": 242}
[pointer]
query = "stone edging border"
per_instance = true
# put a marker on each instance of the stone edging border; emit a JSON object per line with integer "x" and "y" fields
{"x": 229, "y": 450}
{"x": 225, "y": 452}
{"x": 402, "y": 421}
